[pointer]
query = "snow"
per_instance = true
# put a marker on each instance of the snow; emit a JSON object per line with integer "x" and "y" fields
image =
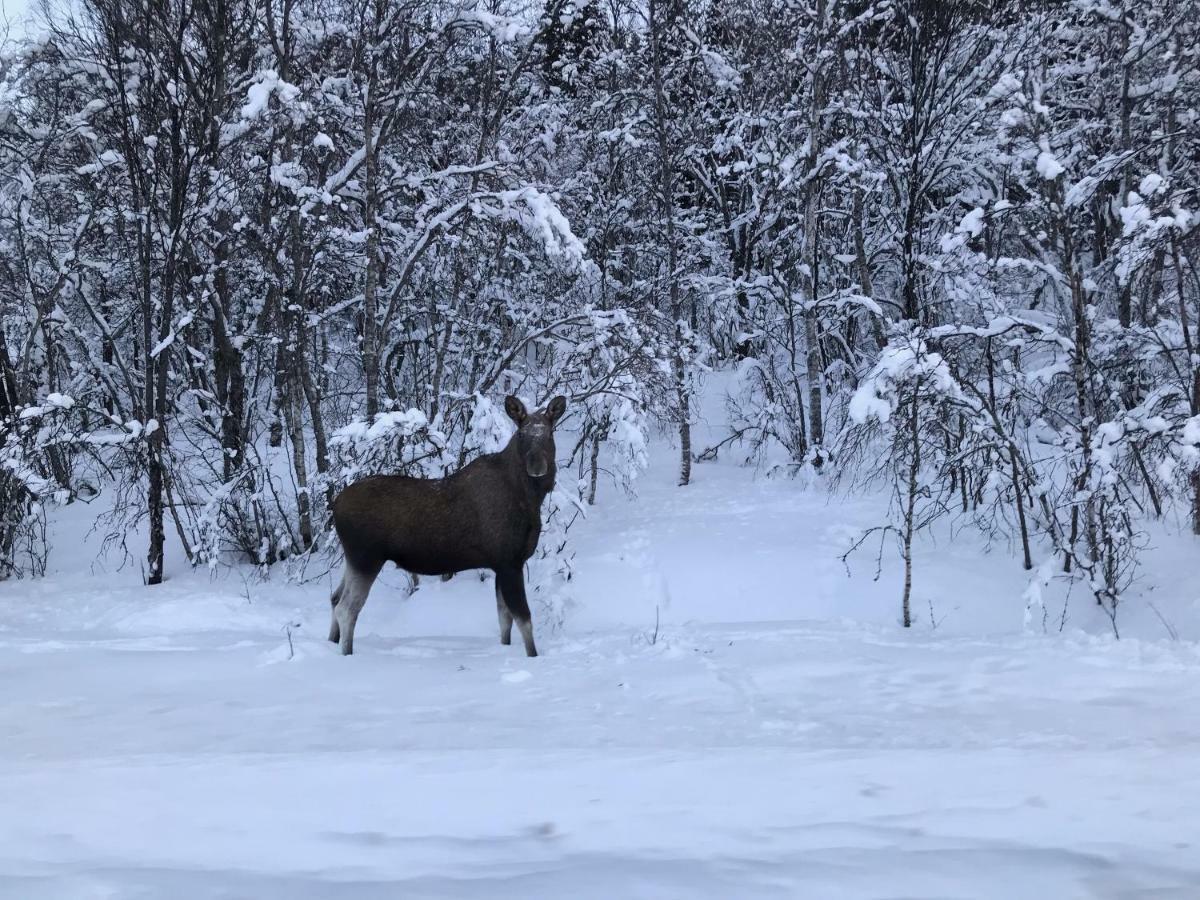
{"x": 539, "y": 215}
{"x": 1134, "y": 214}
{"x": 103, "y": 161}
{"x": 867, "y": 404}
{"x": 970, "y": 226}
{"x": 972, "y": 222}
{"x": 405, "y": 422}
{"x": 725, "y": 76}
{"x": 258, "y": 95}
{"x": 899, "y": 362}
{"x": 163, "y": 344}
{"x": 1152, "y": 184}
{"x": 1048, "y": 166}
{"x": 503, "y": 29}
{"x": 726, "y": 712}
{"x": 491, "y": 427}
{"x": 1191, "y": 430}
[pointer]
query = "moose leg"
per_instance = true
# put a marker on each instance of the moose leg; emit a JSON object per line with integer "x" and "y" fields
{"x": 512, "y": 586}
{"x": 334, "y": 631}
{"x": 504, "y": 615}
{"x": 356, "y": 584}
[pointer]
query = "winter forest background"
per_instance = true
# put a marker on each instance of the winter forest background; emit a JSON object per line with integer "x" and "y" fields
{"x": 869, "y": 314}
{"x": 250, "y": 251}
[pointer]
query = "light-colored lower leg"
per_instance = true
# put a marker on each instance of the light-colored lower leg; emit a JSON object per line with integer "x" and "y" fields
{"x": 355, "y": 587}
{"x": 347, "y": 614}
{"x": 505, "y": 617}
{"x": 334, "y": 630}
{"x": 526, "y": 626}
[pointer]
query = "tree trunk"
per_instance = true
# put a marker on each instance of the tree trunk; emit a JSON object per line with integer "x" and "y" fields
{"x": 8, "y": 381}
{"x": 154, "y": 448}
{"x": 815, "y": 371}
{"x": 294, "y": 381}
{"x": 1189, "y": 347}
{"x": 910, "y": 505}
{"x": 594, "y": 467}
{"x": 370, "y": 339}
{"x": 866, "y": 285}
{"x": 1196, "y": 472}
{"x": 667, "y": 199}
{"x": 1016, "y": 483}
{"x": 230, "y": 375}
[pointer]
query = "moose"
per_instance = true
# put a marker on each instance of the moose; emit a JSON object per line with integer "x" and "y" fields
{"x": 487, "y": 515}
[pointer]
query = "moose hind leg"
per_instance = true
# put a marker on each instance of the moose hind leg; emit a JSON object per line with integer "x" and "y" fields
{"x": 355, "y": 586}
{"x": 506, "y": 619}
{"x": 334, "y": 630}
{"x": 512, "y": 585}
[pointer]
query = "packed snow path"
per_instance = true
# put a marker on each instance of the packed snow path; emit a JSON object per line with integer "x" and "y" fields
{"x": 767, "y": 761}
{"x": 780, "y": 736}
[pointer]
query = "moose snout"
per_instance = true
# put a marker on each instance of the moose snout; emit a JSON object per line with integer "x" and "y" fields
{"x": 536, "y": 464}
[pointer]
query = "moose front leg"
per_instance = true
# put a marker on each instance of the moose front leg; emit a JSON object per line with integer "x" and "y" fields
{"x": 512, "y": 589}
{"x": 506, "y": 619}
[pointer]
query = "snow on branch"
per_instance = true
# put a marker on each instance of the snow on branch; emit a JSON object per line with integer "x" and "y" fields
{"x": 541, "y": 218}
{"x": 259, "y": 94}
{"x": 899, "y": 363}
{"x": 504, "y": 29}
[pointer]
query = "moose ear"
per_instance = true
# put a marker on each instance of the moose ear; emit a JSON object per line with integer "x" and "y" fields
{"x": 557, "y": 407}
{"x": 515, "y": 409}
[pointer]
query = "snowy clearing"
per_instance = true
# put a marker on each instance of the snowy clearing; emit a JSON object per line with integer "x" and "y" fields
{"x": 780, "y": 737}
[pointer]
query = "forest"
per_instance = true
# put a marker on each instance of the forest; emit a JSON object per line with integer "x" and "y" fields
{"x": 251, "y": 250}
{"x": 853, "y": 348}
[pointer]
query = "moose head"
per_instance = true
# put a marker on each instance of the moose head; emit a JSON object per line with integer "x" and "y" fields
{"x": 535, "y": 434}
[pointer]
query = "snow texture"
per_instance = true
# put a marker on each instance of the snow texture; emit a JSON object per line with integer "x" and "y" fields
{"x": 405, "y": 422}
{"x": 909, "y": 361}
{"x": 501, "y": 28}
{"x": 539, "y": 215}
{"x": 258, "y": 95}
{"x": 1048, "y": 166}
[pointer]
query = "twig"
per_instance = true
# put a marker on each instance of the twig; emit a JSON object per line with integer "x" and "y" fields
{"x": 288, "y": 630}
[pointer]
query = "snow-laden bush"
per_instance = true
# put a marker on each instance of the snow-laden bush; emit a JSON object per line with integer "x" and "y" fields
{"x": 36, "y": 463}
{"x": 900, "y": 434}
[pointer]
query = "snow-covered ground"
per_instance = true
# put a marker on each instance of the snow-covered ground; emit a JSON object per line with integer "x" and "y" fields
{"x": 778, "y": 736}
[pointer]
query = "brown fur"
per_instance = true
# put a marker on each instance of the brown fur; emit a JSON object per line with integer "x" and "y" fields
{"x": 487, "y": 515}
